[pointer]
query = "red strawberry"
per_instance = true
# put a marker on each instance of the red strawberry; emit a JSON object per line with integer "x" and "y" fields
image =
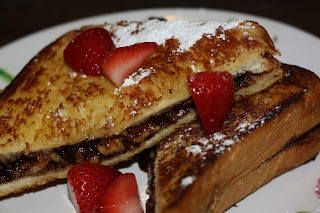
{"x": 119, "y": 63}
{"x": 317, "y": 189}
{"x": 213, "y": 94}
{"x": 122, "y": 196}
{"x": 84, "y": 53}
{"x": 86, "y": 184}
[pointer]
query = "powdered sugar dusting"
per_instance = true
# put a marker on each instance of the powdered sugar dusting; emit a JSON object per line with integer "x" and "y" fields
{"x": 218, "y": 142}
{"x": 136, "y": 77}
{"x": 186, "y": 32}
{"x": 194, "y": 149}
{"x": 187, "y": 181}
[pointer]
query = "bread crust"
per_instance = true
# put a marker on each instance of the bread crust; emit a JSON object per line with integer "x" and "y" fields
{"x": 272, "y": 118}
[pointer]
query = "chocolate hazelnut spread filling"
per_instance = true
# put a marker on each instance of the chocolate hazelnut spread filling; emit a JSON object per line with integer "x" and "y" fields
{"x": 94, "y": 151}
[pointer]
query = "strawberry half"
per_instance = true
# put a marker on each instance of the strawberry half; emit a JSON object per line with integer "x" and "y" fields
{"x": 213, "y": 94}
{"x": 121, "y": 62}
{"x": 122, "y": 196}
{"x": 85, "y": 53}
{"x": 86, "y": 184}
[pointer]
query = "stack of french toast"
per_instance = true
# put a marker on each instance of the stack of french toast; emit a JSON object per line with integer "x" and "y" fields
{"x": 53, "y": 117}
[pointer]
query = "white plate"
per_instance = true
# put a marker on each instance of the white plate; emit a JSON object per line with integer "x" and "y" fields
{"x": 291, "y": 192}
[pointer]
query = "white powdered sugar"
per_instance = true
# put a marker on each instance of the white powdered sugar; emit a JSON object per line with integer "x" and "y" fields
{"x": 136, "y": 77}
{"x": 218, "y": 136}
{"x": 194, "y": 149}
{"x": 186, "y": 32}
{"x": 187, "y": 181}
{"x": 219, "y": 142}
{"x": 181, "y": 113}
{"x": 245, "y": 126}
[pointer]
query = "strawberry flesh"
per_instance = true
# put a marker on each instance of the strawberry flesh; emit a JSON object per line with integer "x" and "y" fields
{"x": 213, "y": 94}
{"x": 122, "y": 196}
{"x": 86, "y": 184}
{"x": 85, "y": 53}
{"x": 121, "y": 62}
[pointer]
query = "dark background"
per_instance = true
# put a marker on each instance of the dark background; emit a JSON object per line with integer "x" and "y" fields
{"x": 19, "y": 18}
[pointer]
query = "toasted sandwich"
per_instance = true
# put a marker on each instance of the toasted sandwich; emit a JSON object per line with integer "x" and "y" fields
{"x": 265, "y": 135}
{"x": 52, "y": 117}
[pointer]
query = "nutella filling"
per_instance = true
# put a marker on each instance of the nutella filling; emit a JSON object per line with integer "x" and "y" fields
{"x": 94, "y": 151}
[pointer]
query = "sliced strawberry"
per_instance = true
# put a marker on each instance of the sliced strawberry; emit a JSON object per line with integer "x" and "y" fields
{"x": 86, "y": 184}
{"x": 213, "y": 94}
{"x": 122, "y": 196}
{"x": 119, "y": 63}
{"x": 317, "y": 189}
{"x": 85, "y": 53}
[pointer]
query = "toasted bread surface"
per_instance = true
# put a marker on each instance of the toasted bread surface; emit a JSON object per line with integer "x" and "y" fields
{"x": 192, "y": 170}
{"x": 48, "y": 105}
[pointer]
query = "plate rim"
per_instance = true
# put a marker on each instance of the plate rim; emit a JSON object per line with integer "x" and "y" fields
{"x": 162, "y": 9}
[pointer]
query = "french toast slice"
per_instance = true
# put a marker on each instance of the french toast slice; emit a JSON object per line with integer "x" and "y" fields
{"x": 194, "y": 172}
{"x": 52, "y": 117}
{"x": 295, "y": 153}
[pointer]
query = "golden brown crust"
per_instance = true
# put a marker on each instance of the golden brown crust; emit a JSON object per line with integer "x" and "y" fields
{"x": 48, "y": 105}
{"x": 257, "y": 128}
